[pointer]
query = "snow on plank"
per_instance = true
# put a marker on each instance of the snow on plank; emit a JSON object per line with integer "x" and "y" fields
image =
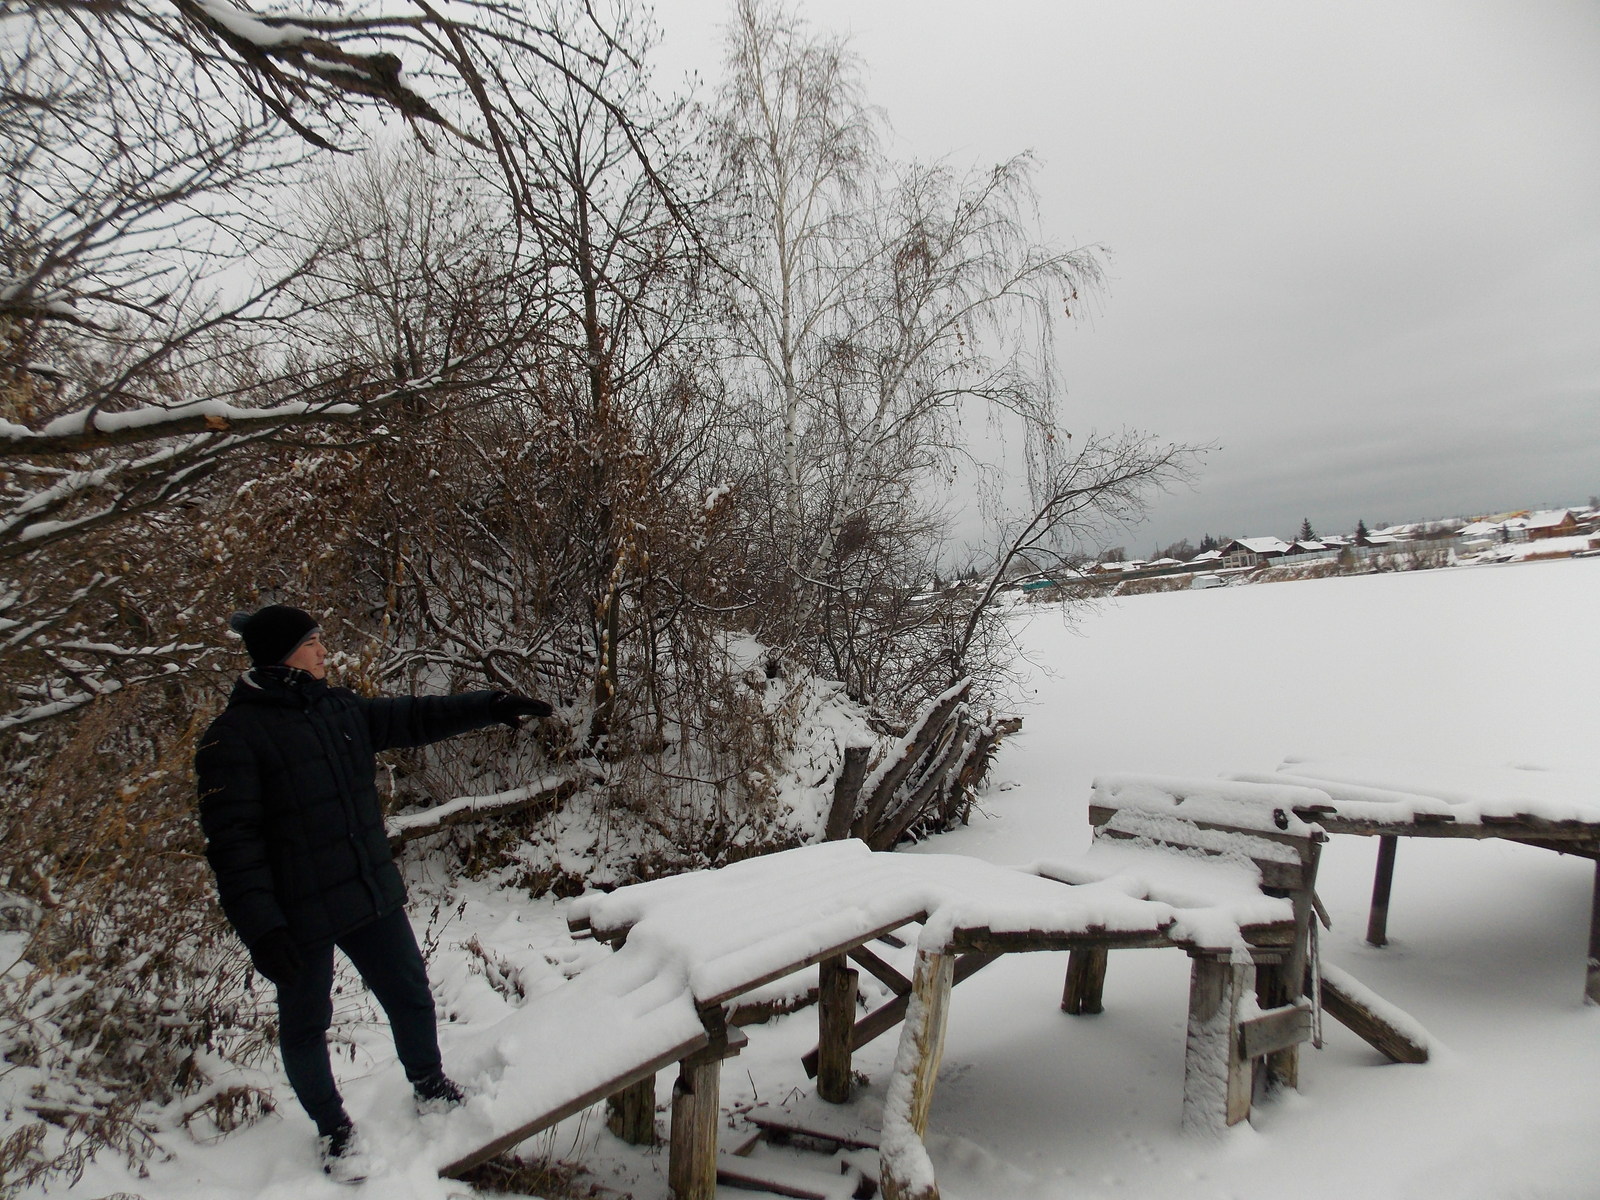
{"x": 617, "y": 1023}
{"x": 750, "y": 922}
{"x": 1399, "y": 792}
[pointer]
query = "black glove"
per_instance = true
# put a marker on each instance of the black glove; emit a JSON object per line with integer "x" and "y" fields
{"x": 511, "y": 708}
{"x": 277, "y": 957}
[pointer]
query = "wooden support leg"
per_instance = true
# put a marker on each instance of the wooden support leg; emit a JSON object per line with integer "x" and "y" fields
{"x": 1591, "y": 987}
{"x": 1382, "y": 881}
{"x": 836, "y": 1018}
{"x": 1216, "y": 1075}
{"x": 696, "y": 1106}
{"x": 692, "y": 1161}
{"x": 1282, "y": 1067}
{"x": 906, "y": 1173}
{"x": 631, "y": 1113}
{"x": 1086, "y": 982}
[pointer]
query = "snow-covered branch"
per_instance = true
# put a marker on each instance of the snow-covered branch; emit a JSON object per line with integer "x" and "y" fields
{"x": 549, "y": 790}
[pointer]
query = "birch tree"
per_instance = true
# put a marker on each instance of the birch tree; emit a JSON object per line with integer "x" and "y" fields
{"x": 880, "y": 306}
{"x": 801, "y": 147}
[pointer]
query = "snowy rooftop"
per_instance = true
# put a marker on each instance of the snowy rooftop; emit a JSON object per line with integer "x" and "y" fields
{"x": 1262, "y": 545}
{"x": 1549, "y": 519}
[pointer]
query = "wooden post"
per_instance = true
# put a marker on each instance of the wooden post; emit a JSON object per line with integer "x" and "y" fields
{"x": 1086, "y": 981}
{"x": 631, "y": 1113}
{"x": 906, "y": 1173}
{"x": 1284, "y": 983}
{"x": 880, "y": 1020}
{"x": 696, "y": 1106}
{"x": 1591, "y": 986}
{"x": 1273, "y": 991}
{"x": 1382, "y": 881}
{"x": 846, "y": 791}
{"x": 836, "y": 1019}
{"x": 692, "y": 1161}
{"x": 1216, "y": 1075}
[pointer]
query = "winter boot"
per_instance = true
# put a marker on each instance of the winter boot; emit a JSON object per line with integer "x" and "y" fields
{"x": 437, "y": 1093}
{"x": 344, "y": 1156}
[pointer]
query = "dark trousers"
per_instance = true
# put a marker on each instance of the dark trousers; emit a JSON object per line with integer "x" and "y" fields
{"x": 385, "y": 954}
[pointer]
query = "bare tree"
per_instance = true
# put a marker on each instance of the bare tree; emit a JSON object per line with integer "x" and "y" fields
{"x": 881, "y": 306}
{"x": 1107, "y": 482}
{"x": 801, "y": 147}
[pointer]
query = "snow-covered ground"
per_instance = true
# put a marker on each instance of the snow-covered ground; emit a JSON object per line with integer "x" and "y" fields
{"x": 1487, "y": 945}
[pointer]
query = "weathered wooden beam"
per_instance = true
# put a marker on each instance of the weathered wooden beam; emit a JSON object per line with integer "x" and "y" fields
{"x": 1216, "y": 1076}
{"x": 696, "y": 1109}
{"x": 1283, "y": 983}
{"x": 779, "y": 1130}
{"x": 846, "y": 792}
{"x": 910, "y": 752}
{"x": 885, "y": 974}
{"x": 1382, "y": 884}
{"x": 1274, "y": 1031}
{"x": 880, "y": 1020}
{"x": 575, "y": 1104}
{"x": 1591, "y": 984}
{"x": 1530, "y": 828}
{"x": 843, "y": 947}
{"x": 836, "y": 1015}
{"x": 631, "y": 1113}
{"x": 752, "y": 1181}
{"x": 1356, "y": 1015}
{"x": 692, "y": 1161}
{"x": 986, "y": 941}
{"x": 1086, "y": 981}
{"x": 905, "y": 1171}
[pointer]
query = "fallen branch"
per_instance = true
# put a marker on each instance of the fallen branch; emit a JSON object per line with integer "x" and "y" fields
{"x": 549, "y": 791}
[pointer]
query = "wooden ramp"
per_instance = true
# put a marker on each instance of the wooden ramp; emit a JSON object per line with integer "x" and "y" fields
{"x": 612, "y": 1027}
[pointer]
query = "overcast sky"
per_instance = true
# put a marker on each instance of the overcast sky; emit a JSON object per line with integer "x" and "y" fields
{"x": 1356, "y": 245}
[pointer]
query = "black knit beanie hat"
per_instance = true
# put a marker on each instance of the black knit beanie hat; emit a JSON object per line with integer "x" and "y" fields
{"x": 273, "y": 633}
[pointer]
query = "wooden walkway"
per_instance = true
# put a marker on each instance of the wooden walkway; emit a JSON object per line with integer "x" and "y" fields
{"x": 1235, "y": 894}
{"x": 1554, "y": 810}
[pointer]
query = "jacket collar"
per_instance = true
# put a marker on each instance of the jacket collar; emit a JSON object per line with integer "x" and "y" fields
{"x": 278, "y": 685}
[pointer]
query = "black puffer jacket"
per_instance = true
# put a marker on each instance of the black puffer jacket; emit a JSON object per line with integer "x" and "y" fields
{"x": 289, "y": 802}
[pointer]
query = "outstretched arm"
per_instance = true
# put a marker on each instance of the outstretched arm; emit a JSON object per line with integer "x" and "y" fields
{"x": 398, "y": 722}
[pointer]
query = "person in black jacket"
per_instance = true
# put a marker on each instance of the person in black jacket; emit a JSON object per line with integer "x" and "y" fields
{"x": 295, "y": 834}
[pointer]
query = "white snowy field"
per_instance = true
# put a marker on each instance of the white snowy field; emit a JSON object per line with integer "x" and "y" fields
{"x": 1498, "y": 665}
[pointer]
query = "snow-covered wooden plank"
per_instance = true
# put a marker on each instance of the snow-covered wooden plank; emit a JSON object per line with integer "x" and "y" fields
{"x": 766, "y": 1182}
{"x": 1389, "y": 792}
{"x": 620, "y": 1022}
{"x": 1389, "y": 1030}
{"x": 1265, "y": 807}
{"x": 783, "y": 1127}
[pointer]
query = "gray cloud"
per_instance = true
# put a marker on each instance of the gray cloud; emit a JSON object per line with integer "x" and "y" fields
{"x": 1358, "y": 246}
